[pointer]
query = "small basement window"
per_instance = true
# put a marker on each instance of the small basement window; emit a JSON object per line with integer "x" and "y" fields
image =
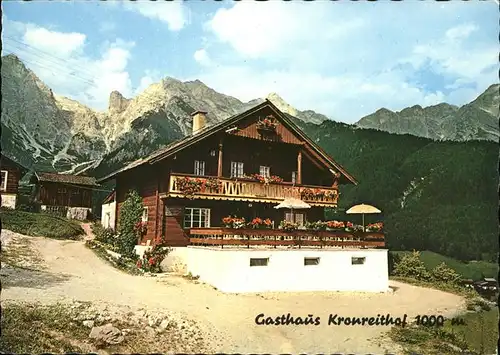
{"x": 311, "y": 261}
{"x": 259, "y": 261}
{"x": 358, "y": 260}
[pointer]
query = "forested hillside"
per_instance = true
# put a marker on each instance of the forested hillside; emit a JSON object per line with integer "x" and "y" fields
{"x": 437, "y": 196}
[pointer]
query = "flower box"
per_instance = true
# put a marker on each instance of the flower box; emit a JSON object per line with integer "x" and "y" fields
{"x": 375, "y": 227}
{"x": 268, "y": 124}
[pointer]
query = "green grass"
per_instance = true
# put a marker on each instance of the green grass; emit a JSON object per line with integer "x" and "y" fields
{"x": 470, "y": 270}
{"x": 480, "y": 331}
{"x": 35, "y": 329}
{"x": 479, "y": 335}
{"x": 40, "y": 225}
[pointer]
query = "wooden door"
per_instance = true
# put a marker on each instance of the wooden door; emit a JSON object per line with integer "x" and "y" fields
{"x": 173, "y": 228}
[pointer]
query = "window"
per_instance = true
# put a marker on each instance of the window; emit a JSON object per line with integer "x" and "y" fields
{"x": 236, "y": 169}
{"x": 61, "y": 191}
{"x": 75, "y": 192}
{"x": 265, "y": 171}
{"x": 311, "y": 261}
{"x": 299, "y": 219}
{"x": 358, "y": 260}
{"x": 259, "y": 261}
{"x": 197, "y": 218}
{"x": 199, "y": 167}
{"x": 3, "y": 184}
{"x": 295, "y": 217}
{"x": 145, "y": 214}
{"x": 294, "y": 177}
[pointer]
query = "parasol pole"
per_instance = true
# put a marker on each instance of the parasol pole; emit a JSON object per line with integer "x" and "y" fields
{"x": 363, "y": 222}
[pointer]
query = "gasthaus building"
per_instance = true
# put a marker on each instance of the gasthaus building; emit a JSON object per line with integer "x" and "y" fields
{"x": 215, "y": 196}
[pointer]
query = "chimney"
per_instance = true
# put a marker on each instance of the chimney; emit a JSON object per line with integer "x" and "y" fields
{"x": 199, "y": 120}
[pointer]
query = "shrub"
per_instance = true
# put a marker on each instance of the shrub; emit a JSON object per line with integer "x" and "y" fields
{"x": 443, "y": 273}
{"x": 410, "y": 265}
{"x": 152, "y": 258}
{"x": 130, "y": 215}
{"x": 29, "y": 207}
{"x": 39, "y": 224}
{"x": 104, "y": 235}
{"x": 477, "y": 303}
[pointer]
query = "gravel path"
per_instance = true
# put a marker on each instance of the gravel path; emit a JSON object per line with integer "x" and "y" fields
{"x": 73, "y": 272}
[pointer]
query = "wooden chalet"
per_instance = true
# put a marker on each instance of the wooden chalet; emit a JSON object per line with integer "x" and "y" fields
{"x": 61, "y": 191}
{"x": 243, "y": 166}
{"x": 11, "y": 173}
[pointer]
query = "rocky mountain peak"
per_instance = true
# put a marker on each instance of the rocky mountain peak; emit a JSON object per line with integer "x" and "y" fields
{"x": 383, "y": 110}
{"x": 117, "y": 103}
{"x": 281, "y": 104}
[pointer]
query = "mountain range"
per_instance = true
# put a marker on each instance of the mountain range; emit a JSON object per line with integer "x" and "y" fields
{"x": 435, "y": 180}
{"x": 475, "y": 120}
{"x": 52, "y": 132}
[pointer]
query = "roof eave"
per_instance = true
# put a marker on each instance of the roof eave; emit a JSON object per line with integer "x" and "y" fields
{"x": 318, "y": 149}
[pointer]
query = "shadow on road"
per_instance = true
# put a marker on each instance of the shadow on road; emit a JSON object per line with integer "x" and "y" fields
{"x": 29, "y": 278}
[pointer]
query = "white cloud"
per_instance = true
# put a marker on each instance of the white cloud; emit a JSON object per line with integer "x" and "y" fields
{"x": 257, "y": 29}
{"x": 58, "y": 43}
{"x": 202, "y": 57}
{"x": 59, "y": 60}
{"x": 347, "y": 61}
{"x": 460, "y": 32}
{"x": 344, "y": 97}
{"x": 174, "y": 13}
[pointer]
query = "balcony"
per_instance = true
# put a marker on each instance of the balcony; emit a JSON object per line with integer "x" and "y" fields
{"x": 231, "y": 237}
{"x": 206, "y": 187}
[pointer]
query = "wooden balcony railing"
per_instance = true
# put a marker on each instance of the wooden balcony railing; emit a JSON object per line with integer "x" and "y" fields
{"x": 250, "y": 190}
{"x": 276, "y": 237}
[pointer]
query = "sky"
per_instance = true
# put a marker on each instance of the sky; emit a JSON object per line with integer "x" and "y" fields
{"x": 343, "y": 59}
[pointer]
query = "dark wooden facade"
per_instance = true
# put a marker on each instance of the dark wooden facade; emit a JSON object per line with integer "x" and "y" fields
{"x": 57, "y": 194}
{"x": 13, "y": 172}
{"x": 64, "y": 190}
{"x": 284, "y": 151}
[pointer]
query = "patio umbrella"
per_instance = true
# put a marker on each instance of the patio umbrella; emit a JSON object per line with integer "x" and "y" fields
{"x": 293, "y": 203}
{"x": 362, "y": 209}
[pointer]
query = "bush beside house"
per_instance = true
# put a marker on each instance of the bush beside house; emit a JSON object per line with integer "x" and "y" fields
{"x": 119, "y": 247}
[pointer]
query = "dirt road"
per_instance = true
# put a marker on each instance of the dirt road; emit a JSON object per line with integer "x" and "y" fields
{"x": 68, "y": 271}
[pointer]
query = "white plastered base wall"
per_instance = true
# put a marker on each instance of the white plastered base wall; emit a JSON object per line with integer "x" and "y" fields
{"x": 229, "y": 270}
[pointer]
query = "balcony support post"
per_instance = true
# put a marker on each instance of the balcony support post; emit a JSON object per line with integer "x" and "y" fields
{"x": 219, "y": 163}
{"x": 299, "y": 167}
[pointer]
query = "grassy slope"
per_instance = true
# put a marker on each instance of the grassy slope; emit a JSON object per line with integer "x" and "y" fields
{"x": 471, "y": 270}
{"x": 479, "y": 335}
{"x": 39, "y": 224}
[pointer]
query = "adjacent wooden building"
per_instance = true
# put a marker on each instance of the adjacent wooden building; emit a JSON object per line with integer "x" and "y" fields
{"x": 11, "y": 173}
{"x": 58, "y": 192}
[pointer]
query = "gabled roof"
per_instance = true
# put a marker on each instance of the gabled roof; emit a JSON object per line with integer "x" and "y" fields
{"x": 66, "y": 179}
{"x": 10, "y": 160}
{"x": 176, "y": 146}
